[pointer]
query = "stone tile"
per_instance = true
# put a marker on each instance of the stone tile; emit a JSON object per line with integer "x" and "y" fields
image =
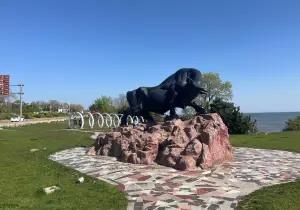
{"x": 201, "y": 191}
{"x": 159, "y": 187}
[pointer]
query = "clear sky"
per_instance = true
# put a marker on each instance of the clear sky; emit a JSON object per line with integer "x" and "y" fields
{"x": 75, "y": 51}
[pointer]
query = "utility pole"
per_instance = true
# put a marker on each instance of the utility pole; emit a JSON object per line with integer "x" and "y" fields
{"x": 21, "y": 104}
{"x": 20, "y": 93}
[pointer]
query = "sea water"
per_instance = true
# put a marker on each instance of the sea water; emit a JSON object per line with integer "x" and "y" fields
{"x": 272, "y": 121}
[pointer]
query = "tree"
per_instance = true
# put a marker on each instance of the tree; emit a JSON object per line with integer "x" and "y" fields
{"x": 32, "y": 107}
{"x": 76, "y": 107}
{"x": 53, "y": 105}
{"x": 120, "y": 103}
{"x": 216, "y": 88}
{"x": 6, "y": 102}
{"x": 43, "y": 106}
{"x": 293, "y": 124}
{"x": 237, "y": 122}
{"x": 103, "y": 104}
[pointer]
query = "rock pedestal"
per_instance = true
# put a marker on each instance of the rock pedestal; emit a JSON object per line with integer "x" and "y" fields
{"x": 184, "y": 145}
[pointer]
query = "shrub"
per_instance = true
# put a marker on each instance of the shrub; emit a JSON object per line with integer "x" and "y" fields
{"x": 188, "y": 113}
{"x": 103, "y": 104}
{"x": 28, "y": 115}
{"x": 292, "y": 124}
{"x": 48, "y": 114}
{"x": 38, "y": 115}
{"x": 5, "y": 116}
{"x": 237, "y": 122}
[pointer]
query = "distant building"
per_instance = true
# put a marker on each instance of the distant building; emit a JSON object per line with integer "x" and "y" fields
{"x": 62, "y": 110}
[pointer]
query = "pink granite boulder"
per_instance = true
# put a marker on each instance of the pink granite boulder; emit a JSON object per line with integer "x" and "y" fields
{"x": 184, "y": 145}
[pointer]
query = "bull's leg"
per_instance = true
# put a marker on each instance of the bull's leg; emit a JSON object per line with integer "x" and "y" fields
{"x": 124, "y": 119}
{"x": 171, "y": 96}
{"x": 173, "y": 114}
{"x": 147, "y": 116}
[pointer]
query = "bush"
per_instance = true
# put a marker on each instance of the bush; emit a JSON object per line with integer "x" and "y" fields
{"x": 236, "y": 122}
{"x": 188, "y": 113}
{"x": 103, "y": 104}
{"x": 38, "y": 115}
{"x": 48, "y": 114}
{"x": 28, "y": 115}
{"x": 292, "y": 124}
{"x": 5, "y": 116}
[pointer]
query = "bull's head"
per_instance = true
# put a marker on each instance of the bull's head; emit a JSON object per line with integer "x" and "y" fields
{"x": 197, "y": 84}
{"x": 194, "y": 79}
{"x": 133, "y": 101}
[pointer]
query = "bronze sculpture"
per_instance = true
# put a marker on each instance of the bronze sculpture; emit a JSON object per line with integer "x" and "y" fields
{"x": 178, "y": 90}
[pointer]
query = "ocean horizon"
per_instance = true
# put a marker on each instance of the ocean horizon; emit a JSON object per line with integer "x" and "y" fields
{"x": 272, "y": 121}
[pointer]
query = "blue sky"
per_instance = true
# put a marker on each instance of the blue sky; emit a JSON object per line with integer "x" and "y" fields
{"x": 75, "y": 51}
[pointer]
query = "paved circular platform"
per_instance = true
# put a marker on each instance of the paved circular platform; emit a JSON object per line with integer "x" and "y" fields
{"x": 159, "y": 187}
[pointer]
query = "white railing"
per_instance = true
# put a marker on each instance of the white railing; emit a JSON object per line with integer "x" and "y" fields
{"x": 109, "y": 120}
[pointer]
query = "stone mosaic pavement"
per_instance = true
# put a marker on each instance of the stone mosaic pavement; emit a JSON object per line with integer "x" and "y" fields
{"x": 159, "y": 187}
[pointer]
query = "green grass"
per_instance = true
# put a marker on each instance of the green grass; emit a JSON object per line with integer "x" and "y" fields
{"x": 289, "y": 141}
{"x": 284, "y": 196}
{"x": 277, "y": 197}
{"x": 23, "y": 174}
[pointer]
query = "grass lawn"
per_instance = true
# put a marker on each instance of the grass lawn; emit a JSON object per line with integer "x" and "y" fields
{"x": 277, "y": 197}
{"x": 283, "y": 196}
{"x": 289, "y": 140}
{"x": 23, "y": 174}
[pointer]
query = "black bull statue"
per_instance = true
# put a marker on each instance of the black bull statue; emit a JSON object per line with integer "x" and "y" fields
{"x": 178, "y": 90}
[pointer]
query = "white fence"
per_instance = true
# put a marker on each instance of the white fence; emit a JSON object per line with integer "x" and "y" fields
{"x": 109, "y": 120}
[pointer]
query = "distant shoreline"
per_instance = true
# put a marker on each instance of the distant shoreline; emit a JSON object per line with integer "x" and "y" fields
{"x": 268, "y": 112}
{"x": 272, "y": 121}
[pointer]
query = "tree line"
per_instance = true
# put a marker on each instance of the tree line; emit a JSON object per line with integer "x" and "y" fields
{"x": 36, "y": 109}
